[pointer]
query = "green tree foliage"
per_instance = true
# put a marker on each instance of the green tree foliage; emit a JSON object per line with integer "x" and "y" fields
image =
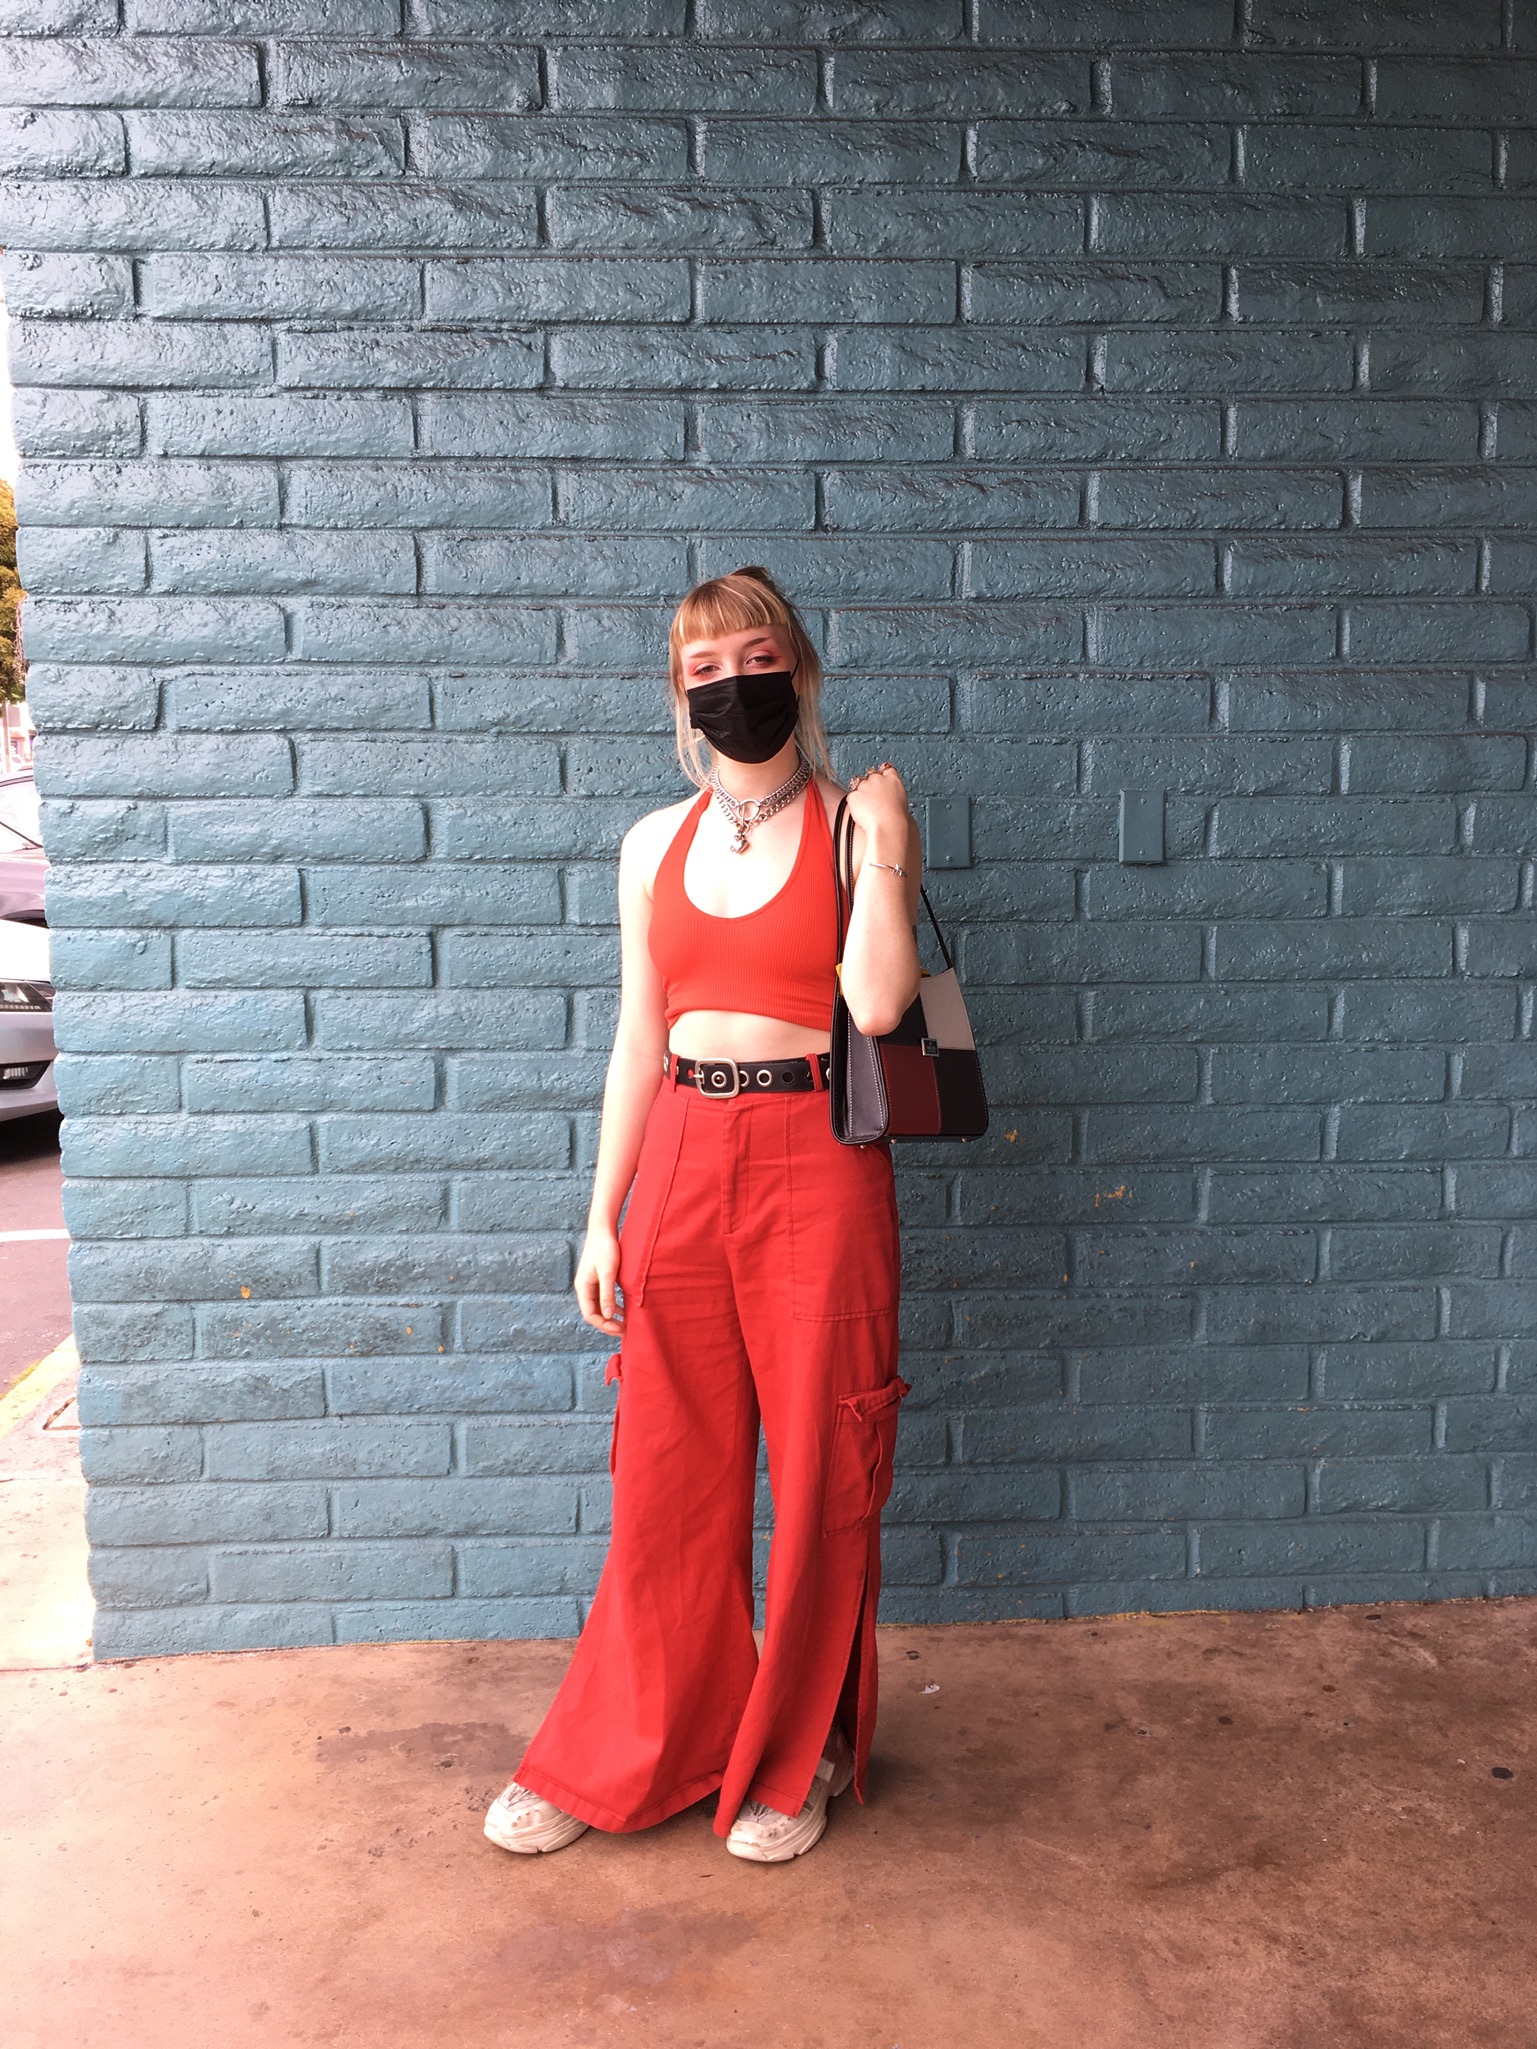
{"x": 11, "y": 668}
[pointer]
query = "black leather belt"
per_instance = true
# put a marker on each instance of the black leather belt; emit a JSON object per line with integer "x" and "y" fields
{"x": 749, "y": 1078}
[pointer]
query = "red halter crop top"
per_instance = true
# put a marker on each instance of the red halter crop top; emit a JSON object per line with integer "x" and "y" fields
{"x": 777, "y": 961}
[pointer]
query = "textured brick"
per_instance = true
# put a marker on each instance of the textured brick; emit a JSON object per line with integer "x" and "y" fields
{"x": 151, "y": 493}
{"x": 1248, "y": 87}
{"x": 1356, "y": 159}
{"x": 442, "y": 1140}
{"x": 291, "y": 424}
{"x": 415, "y": 495}
{"x": 111, "y": 960}
{"x": 193, "y": 560}
{"x": 702, "y": 359}
{"x": 1430, "y": 883}
{"x": 1188, "y": 22}
{"x": 1091, "y": 568}
{"x": 56, "y": 286}
{"x": 102, "y": 72}
{"x": 405, "y": 357}
{"x": 138, "y": 352}
{"x": 1459, "y": 762}
{"x": 1455, "y": 1132}
{"x": 156, "y": 766}
{"x": 103, "y": 830}
{"x": 103, "y": 559}
{"x": 406, "y": 75}
{"x": 828, "y": 288}
{"x": 1442, "y": 295}
{"x": 1354, "y": 567}
{"x": 1326, "y": 1074}
{"x": 387, "y": 216}
{"x": 557, "y": 288}
{"x": 333, "y": 1571}
{"x": 669, "y": 499}
{"x": 300, "y": 287}
{"x": 512, "y": 424}
{"x": 178, "y": 1022}
{"x": 582, "y": 218}
{"x": 440, "y": 1019}
{"x": 1204, "y": 498}
{"x": 59, "y": 143}
{"x": 111, "y": 214}
{"x": 352, "y": 630}
{"x": 1128, "y": 1136}
{"x": 1450, "y": 228}
{"x": 1312, "y": 1545}
{"x": 55, "y": 422}
{"x": 1031, "y": 1555}
{"x": 1050, "y": 292}
{"x": 832, "y": 152}
{"x": 1359, "y": 948}
{"x": 1107, "y": 446}
{"x": 631, "y": 78}
{"x": 549, "y": 146}
{"x": 1214, "y": 225}
{"x": 971, "y": 223}
{"x": 265, "y": 144}
{"x": 1486, "y": 632}
{"x": 243, "y": 828}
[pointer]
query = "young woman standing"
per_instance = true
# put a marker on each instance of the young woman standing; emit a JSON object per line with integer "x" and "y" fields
{"x": 756, "y": 1277}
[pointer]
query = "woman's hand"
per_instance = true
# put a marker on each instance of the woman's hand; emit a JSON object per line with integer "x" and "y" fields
{"x": 878, "y": 805}
{"x": 597, "y": 1282}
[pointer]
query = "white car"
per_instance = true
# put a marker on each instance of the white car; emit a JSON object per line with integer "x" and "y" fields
{"x": 26, "y": 1022}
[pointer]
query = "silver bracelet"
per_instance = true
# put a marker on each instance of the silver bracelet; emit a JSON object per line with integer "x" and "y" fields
{"x": 888, "y": 864}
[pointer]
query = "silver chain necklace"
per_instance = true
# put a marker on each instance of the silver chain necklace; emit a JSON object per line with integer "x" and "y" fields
{"x": 746, "y": 812}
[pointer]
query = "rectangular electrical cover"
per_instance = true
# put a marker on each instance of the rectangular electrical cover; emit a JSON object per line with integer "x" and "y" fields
{"x": 947, "y": 839}
{"x": 1141, "y": 826}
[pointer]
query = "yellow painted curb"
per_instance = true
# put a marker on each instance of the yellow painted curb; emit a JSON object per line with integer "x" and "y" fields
{"x": 36, "y": 1384}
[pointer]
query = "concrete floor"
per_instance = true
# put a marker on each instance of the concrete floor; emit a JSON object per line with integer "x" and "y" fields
{"x": 1207, "y": 1832}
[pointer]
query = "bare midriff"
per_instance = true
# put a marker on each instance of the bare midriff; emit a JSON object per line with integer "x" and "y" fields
{"x": 738, "y": 1035}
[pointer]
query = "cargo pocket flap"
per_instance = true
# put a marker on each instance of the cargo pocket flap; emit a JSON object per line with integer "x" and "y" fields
{"x": 860, "y": 1461}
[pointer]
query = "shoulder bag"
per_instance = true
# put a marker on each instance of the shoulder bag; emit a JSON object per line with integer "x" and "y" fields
{"x": 923, "y": 1080}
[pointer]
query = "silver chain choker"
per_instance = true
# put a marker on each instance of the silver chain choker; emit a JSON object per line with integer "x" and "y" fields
{"x": 746, "y": 812}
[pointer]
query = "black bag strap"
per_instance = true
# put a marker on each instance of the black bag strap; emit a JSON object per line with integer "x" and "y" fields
{"x": 843, "y": 882}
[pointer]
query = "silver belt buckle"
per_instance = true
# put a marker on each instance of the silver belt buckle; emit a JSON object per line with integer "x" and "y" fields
{"x": 706, "y": 1072}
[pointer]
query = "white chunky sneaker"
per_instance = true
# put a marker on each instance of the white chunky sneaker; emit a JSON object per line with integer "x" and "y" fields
{"x": 522, "y": 1821}
{"x": 765, "y": 1836}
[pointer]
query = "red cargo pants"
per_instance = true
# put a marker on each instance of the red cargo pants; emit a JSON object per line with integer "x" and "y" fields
{"x": 759, "y": 1265}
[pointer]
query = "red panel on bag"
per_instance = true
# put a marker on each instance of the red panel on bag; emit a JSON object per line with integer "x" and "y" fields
{"x": 912, "y": 1090}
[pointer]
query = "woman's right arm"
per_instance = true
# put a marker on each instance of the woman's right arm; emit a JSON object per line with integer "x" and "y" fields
{"x": 634, "y": 1077}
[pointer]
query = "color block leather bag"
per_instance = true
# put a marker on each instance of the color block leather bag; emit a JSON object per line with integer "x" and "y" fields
{"x": 923, "y": 1080}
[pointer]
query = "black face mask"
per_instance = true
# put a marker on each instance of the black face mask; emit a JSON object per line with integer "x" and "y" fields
{"x": 746, "y": 718}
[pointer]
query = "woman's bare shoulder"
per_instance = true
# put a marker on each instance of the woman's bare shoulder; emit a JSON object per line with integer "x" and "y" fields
{"x": 649, "y": 837}
{"x": 832, "y": 795}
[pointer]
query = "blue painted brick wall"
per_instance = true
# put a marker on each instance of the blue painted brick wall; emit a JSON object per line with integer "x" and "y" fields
{"x": 1138, "y": 396}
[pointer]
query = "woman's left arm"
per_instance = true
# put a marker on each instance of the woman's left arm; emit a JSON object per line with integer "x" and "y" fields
{"x": 880, "y": 953}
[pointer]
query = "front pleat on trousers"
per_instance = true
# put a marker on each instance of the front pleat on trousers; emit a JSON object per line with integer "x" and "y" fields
{"x": 759, "y": 1265}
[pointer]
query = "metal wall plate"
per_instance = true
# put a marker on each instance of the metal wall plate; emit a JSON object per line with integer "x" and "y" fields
{"x": 947, "y": 832}
{"x": 1141, "y": 827}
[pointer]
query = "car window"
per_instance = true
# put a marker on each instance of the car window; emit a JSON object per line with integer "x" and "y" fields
{"x": 19, "y": 824}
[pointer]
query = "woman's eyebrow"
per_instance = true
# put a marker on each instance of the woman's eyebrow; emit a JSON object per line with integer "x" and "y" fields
{"x": 708, "y": 652}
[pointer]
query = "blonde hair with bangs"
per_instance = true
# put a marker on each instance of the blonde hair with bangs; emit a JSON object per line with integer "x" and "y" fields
{"x": 731, "y": 604}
